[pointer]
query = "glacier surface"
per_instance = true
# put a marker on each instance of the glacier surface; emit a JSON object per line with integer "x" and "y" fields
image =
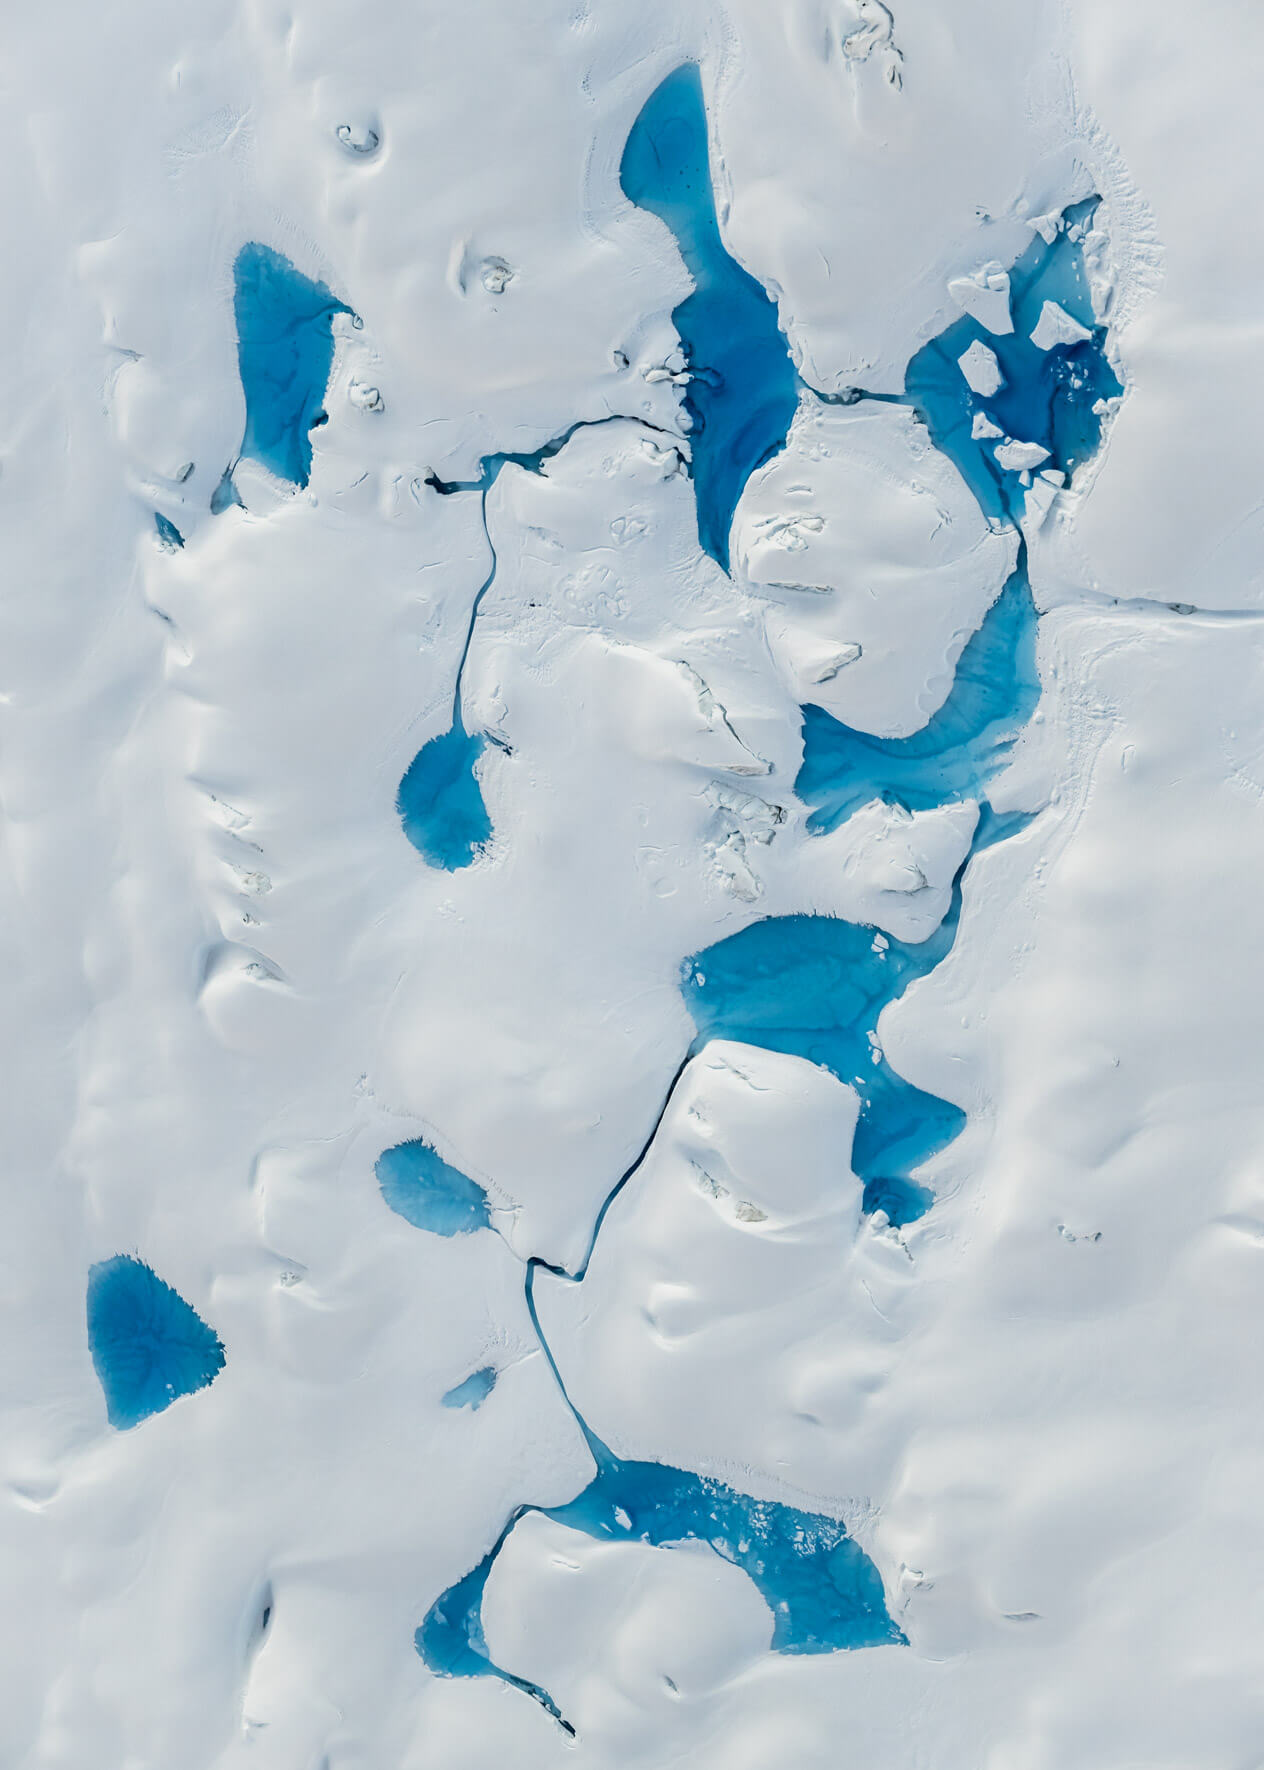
{"x": 631, "y": 767}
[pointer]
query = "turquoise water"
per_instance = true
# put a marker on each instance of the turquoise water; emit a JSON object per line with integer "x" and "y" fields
{"x": 473, "y": 1392}
{"x": 168, "y": 533}
{"x": 148, "y": 1345}
{"x": 440, "y": 802}
{"x": 744, "y": 390}
{"x": 285, "y": 351}
{"x": 430, "y": 1193}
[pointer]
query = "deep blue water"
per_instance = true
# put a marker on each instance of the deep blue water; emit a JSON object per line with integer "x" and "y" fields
{"x": 168, "y": 533}
{"x": 430, "y": 1193}
{"x": 744, "y": 390}
{"x": 440, "y": 802}
{"x": 148, "y": 1345}
{"x": 473, "y": 1392}
{"x": 285, "y": 351}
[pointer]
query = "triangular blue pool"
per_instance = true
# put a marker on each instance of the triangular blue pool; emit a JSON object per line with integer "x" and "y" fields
{"x": 148, "y": 1345}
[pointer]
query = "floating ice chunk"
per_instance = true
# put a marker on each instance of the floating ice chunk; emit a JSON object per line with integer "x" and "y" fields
{"x": 981, "y": 369}
{"x": 1047, "y": 226}
{"x": 1055, "y": 326}
{"x": 1018, "y": 457}
{"x": 984, "y": 295}
{"x": 983, "y": 427}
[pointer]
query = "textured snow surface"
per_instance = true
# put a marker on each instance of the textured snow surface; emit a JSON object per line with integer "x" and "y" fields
{"x": 612, "y": 1161}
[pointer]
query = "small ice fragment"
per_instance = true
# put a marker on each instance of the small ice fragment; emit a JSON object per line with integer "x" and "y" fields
{"x": 1047, "y": 226}
{"x": 1055, "y": 326}
{"x": 984, "y": 295}
{"x": 1017, "y": 457}
{"x": 983, "y": 427}
{"x": 981, "y": 369}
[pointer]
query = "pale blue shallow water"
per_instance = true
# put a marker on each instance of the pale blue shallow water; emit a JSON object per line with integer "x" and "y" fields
{"x": 168, "y": 533}
{"x": 149, "y": 1346}
{"x": 473, "y": 1392}
{"x": 285, "y": 351}
{"x": 744, "y": 390}
{"x": 430, "y": 1193}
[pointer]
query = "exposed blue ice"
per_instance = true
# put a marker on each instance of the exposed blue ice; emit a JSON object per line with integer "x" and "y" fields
{"x": 440, "y": 802}
{"x": 285, "y": 350}
{"x": 744, "y": 391}
{"x": 168, "y": 533}
{"x": 473, "y": 1392}
{"x": 148, "y": 1345}
{"x": 430, "y": 1193}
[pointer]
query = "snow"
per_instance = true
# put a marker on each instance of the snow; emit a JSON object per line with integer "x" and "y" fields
{"x": 981, "y": 370}
{"x": 234, "y": 983}
{"x": 984, "y": 295}
{"x": 1056, "y": 326}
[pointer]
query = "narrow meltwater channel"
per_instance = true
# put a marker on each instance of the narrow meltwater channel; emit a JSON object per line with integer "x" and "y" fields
{"x": 440, "y": 800}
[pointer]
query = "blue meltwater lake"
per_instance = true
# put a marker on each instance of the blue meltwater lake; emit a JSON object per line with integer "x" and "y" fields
{"x": 149, "y": 1347}
{"x": 430, "y": 1193}
{"x": 285, "y": 352}
{"x": 742, "y": 397}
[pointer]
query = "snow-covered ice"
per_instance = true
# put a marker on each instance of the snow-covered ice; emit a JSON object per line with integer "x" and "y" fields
{"x": 631, "y": 759}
